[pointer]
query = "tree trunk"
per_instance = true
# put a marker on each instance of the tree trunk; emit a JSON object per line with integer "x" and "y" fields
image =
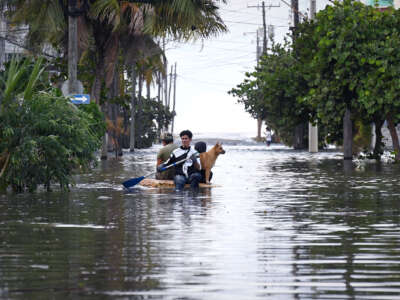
{"x": 347, "y": 135}
{"x": 165, "y": 83}
{"x": 173, "y": 104}
{"x": 104, "y": 148}
{"x": 378, "y": 148}
{"x": 170, "y": 87}
{"x": 259, "y": 125}
{"x": 148, "y": 90}
{"x": 107, "y": 46}
{"x": 133, "y": 96}
{"x": 299, "y": 132}
{"x": 395, "y": 137}
{"x": 115, "y": 114}
{"x": 96, "y": 87}
{"x": 159, "y": 101}
{"x": 159, "y": 87}
{"x": 139, "y": 112}
{"x": 95, "y": 94}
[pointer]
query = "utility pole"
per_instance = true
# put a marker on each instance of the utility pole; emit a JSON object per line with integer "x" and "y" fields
{"x": 312, "y": 130}
{"x": 264, "y": 29}
{"x": 133, "y": 98}
{"x": 173, "y": 104}
{"x": 170, "y": 87}
{"x": 259, "y": 120}
{"x": 295, "y": 7}
{"x": 265, "y": 40}
{"x": 3, "y": 34}
{"x": 264, "y": 50}
{"x": 165, "y": 77}
{"x": 72, "y": 47}
{"x": 258, "y": 50}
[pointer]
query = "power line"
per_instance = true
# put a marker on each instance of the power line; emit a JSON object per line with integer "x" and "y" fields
{"x": 227, "y": 49}
{"x": 256, "y": 24}
{"x": 207, "y": 82}
{"x": 26, "y": 48}
{"x": 294, "y": 9}
{"x": 221, "y": 64}
{"x": 254, "y": 14}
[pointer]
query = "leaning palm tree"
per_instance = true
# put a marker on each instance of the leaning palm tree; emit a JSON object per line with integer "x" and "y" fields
{"x": 113, "y": 20}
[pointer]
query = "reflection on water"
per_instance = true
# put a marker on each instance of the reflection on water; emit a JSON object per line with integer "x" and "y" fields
{"x": 282, "y": 225}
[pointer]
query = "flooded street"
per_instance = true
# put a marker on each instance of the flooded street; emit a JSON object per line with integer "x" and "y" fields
{"x": 281, "y": 224}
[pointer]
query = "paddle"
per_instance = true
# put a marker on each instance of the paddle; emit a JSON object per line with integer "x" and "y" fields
{"x": 134, "y": 181}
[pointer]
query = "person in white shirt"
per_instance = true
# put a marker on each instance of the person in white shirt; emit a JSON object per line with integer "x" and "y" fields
{"x": 189, "y": 171}
{"x": 268, "y": 136}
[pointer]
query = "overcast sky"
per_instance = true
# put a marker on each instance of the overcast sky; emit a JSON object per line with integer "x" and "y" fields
{"x": 208, "y": 69}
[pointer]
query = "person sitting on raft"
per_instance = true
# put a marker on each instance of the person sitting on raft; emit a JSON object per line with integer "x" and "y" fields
{"x": 202, "y": 147}
{"x": 188, "y": 171}
{"x": 163, "y": 155}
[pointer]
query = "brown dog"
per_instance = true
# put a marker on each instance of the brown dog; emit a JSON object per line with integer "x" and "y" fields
{"x": 208, "y": 159}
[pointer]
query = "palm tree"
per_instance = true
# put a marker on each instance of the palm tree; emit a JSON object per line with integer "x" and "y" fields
{"x": 181, "y": 19}
{"x": 109, "y": 25}
{"x": 106, "y": 21}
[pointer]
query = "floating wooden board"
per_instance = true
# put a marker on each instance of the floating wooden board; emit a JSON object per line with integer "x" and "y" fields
{"x": 156, "y": 183}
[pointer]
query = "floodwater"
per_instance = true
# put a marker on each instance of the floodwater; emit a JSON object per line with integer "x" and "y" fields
{"x": 281, "y": 224}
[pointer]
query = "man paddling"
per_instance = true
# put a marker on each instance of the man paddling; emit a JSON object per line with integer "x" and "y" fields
{"x": 163, "y": 155}
{"x": 189, "y": 171}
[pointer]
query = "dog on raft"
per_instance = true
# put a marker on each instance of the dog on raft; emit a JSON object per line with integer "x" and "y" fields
{"x": 208, "y": 158}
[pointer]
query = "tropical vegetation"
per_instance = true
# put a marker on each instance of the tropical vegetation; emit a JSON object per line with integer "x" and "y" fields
{"x": 340, "y": 71}
{"x": 121, "y": 56}
{"x": 44, "y": 138}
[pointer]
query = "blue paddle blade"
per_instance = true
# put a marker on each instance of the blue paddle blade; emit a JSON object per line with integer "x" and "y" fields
{"x": 131, "y": 182}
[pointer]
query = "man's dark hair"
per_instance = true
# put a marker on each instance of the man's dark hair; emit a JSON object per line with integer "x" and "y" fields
{"x": 167, "y": 138}
{"x": 186, "y": 132}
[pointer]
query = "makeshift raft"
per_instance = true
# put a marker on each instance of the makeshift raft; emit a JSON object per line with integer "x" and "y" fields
{"x": 157, "y": 183}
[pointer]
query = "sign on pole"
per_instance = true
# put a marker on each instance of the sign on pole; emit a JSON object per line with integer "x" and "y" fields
{"x": 80, "y": 98}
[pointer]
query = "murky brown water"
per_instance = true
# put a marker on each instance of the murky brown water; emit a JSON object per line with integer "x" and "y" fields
{"x": 282, "y": 225}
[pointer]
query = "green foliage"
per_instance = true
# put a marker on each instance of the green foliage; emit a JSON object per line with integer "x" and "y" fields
{"x": 43, "y": 137}
{"x": 47, "y": 138}
{"x": 272, "y": 92}
{"x": 362, "y": 137}
{"x": 146, "y": 130}
{"x": 95, "y": 119}
{"x": 333, "y": 70}
{"x": 345, "y": 58}
{"x": 18, "y": 73}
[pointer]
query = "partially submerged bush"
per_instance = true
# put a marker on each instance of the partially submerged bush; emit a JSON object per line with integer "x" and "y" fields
{"x": 46, "y": 138}
{"x": 43, "y": 137}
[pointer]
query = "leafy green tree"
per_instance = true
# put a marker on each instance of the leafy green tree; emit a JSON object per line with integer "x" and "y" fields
{"x": 380, "y": 91}
{"x": 272, "y": 91}
{"x": 332, "y": 49}
{"x": 43, "y": 137}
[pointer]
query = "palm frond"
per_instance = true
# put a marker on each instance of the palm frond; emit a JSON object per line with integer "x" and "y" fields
{"x": 33, "y": 78}
{"x": 14, "y": 74}
{"x": 108, "y": 11}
